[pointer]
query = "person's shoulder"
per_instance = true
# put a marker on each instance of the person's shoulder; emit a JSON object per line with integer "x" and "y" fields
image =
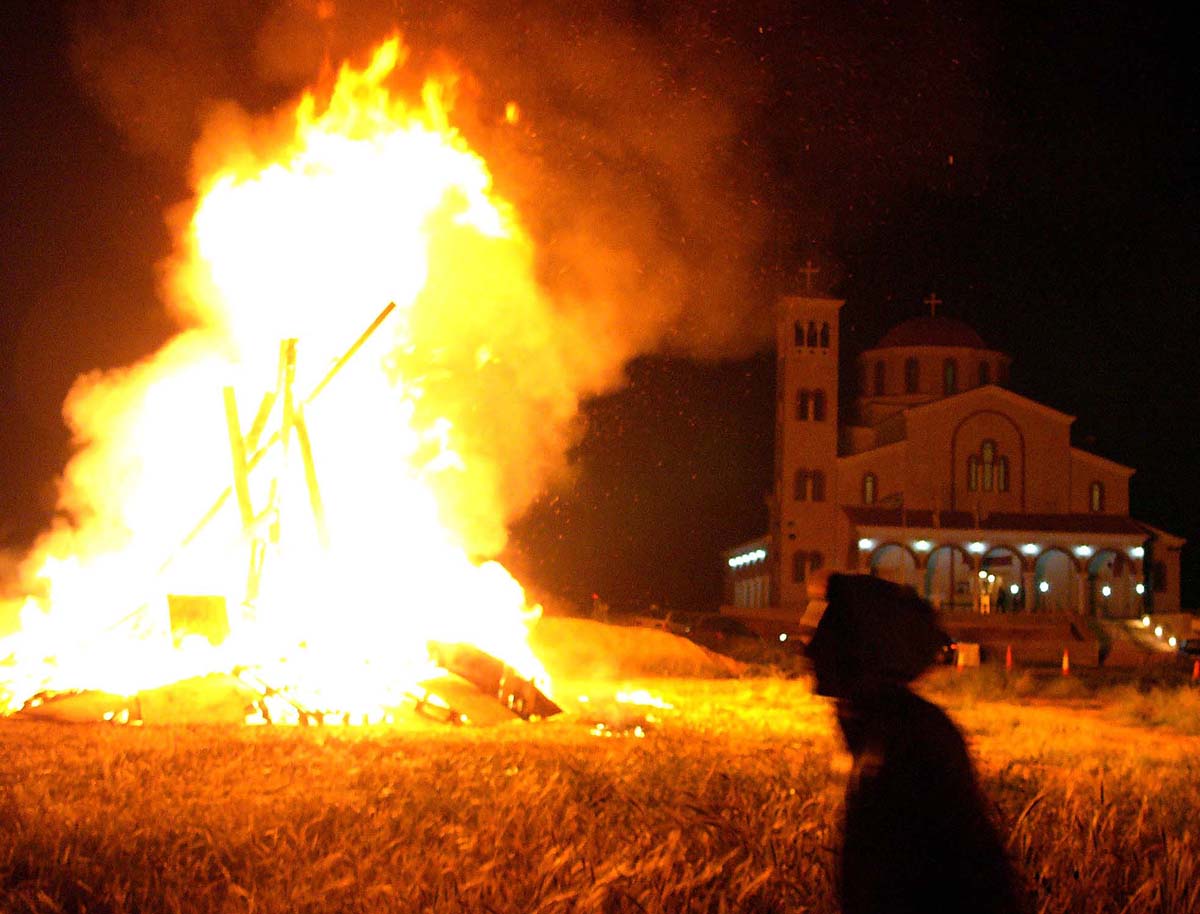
{"x": 920, "y": 716}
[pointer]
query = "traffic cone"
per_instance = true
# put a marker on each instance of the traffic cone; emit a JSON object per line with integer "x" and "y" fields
{"x": 1008, "y": 659}
{"x": 1066, "y": 663}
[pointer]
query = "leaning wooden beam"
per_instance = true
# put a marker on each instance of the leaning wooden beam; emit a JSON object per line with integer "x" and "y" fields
{"x": 287, "y": 379}
{"x": 237, "y": 448}
{"x": 287, "y": 382}
{"x": 349, "y": 353}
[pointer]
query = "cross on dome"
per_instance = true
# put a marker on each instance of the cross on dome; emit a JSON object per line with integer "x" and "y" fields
{"x": 933, "y": 301}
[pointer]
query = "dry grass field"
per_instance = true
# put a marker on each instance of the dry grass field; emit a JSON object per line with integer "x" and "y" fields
{"x": 728, "y": 802}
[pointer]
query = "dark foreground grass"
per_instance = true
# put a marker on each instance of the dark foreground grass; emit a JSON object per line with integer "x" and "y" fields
{"x": 729, "y": 804}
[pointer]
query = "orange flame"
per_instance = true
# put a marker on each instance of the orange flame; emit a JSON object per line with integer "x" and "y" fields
{"x": 421, "y": 447}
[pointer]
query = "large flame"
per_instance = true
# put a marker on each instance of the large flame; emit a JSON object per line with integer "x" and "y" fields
{"x": 421, "y": 445}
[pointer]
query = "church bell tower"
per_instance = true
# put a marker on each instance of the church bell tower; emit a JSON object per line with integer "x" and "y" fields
{"x": 804, "y": 507}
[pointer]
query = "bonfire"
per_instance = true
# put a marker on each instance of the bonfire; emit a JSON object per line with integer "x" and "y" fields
{"x": 302, "y": 490}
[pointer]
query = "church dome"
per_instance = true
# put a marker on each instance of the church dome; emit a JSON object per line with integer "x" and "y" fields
{"x": 932, "y": 331}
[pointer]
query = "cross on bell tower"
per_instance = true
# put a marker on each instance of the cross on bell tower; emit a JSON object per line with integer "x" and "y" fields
{"x": 933, "y": 301}
{"x": 809, "y": 271}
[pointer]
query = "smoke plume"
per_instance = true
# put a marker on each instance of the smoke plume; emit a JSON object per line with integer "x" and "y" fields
{"x": 629, "y": 162}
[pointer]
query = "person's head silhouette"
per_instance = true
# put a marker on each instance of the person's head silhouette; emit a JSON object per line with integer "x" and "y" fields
{"x": 873, "y": 632}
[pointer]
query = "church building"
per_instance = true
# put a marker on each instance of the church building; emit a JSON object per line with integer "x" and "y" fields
{"x": 943, "y": 479}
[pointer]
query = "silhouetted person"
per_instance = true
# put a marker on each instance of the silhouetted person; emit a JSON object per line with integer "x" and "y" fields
{"x": 917, "y": 832}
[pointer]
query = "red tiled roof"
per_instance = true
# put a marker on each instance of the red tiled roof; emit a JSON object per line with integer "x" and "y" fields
{"x": 965, "y": 520}
{"x": 1070, "y": 523}
{"x": 932, "y": 331}
{"x": 900, "y": 517}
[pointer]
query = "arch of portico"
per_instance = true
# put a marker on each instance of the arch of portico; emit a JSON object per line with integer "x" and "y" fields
{"x": 1111, "y": 585}
{"x": 1058, "y": 571}
{"x": 894, "y": 562}
{"x": 950, "y": 576}
{"x": 1002, "y": 566}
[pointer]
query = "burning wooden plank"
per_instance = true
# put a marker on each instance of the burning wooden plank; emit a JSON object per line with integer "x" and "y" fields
{"x": 495, "y": 677}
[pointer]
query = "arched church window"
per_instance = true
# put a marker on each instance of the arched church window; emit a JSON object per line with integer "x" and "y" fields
{"x": 973, "y": 473}
{"x": 812, "y": 335}
{"x": 869, "y": 486}
{"x": 799, "y": 565}
{"x": 912, "y": 376}
{"x": 801, "y": 485}
{"x": 989, "y": 465}
{"x": 824, "y": 335}
{"x": 816, "y": 561}
{"x": 1096, "y": 497}
{"x": 985, "y": 374}
{"x": 950, "y": 376}
{"x": 818, "y": 405}
{"x": 801, "y": 405}
{"x": 818, "y": 485}
{"x": 798, "y": 331}
{"x": 1002, "y": 474}
{"x": 880, "y": 368}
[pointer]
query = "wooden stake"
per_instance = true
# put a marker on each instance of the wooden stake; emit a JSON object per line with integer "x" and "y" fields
{"x": 260, "y": 420}
{"x": 237, "y": 448}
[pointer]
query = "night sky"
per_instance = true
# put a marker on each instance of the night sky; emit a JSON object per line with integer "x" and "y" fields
{"x": 1034, "y": 167}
